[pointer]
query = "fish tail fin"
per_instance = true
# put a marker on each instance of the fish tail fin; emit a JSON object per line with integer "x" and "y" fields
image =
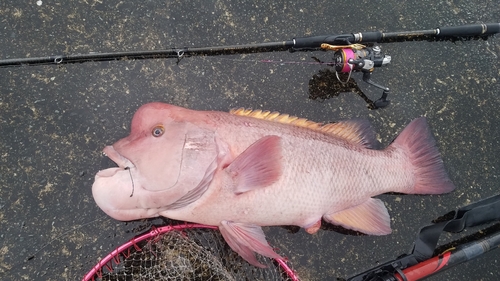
{"x": 419, "y": 144}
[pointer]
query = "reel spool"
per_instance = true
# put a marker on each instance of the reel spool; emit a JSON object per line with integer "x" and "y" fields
{"x": 366, "y": 59}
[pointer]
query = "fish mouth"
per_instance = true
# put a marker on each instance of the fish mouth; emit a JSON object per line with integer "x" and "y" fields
{"x": 122, "y": 162}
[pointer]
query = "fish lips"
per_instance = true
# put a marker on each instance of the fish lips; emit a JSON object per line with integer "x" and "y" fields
{"x": 119, "y": 193}
{"x": 120, "y": 160}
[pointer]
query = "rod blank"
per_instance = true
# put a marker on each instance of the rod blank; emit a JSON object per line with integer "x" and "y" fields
{"x": 296, "y": 44}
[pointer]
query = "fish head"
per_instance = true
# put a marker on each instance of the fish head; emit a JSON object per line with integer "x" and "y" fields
{"x": 158, "y": 163}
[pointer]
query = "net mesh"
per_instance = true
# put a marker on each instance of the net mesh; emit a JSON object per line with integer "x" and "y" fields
{"x": 190, "y": 253}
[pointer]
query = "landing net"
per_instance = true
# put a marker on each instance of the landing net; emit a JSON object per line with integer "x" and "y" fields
{"x": 184, "y": 252}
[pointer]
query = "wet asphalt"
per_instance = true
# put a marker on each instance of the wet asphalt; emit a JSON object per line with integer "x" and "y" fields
{"x": 55, "y": 120}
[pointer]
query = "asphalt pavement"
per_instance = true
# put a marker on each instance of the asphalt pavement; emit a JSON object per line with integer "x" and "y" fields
{"x": 55, "y": 119}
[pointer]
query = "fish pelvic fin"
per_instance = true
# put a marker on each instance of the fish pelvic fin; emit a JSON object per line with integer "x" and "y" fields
{"x": 356, "y": 130}
{"x": 246, "y": 239}
{"x": 417, "y": 142}
{"x": 370, "y": 217}
{"x": 258, "y": 166}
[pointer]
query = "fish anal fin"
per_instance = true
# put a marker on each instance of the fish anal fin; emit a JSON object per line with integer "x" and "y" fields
{"x": 357, "y": 130}
{"x": 246, "y": 239}
{"x": 370, "y": 217}
{"x": 258, "y": 166}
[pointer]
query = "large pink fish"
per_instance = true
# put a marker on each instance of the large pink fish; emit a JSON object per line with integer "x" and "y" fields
{"x": 246, "y": 169}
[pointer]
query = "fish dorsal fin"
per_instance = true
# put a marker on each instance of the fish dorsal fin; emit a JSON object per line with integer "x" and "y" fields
{"x": 357, "y": 131}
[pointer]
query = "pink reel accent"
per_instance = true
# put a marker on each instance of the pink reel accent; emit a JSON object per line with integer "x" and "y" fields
{"x": 347, "y": 54}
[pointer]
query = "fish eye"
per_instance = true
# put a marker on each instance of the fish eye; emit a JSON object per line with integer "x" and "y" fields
{"x": 158, "y": 131}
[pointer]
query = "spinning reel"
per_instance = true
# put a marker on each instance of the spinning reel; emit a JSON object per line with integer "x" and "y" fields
{"x": 359, "y": 58}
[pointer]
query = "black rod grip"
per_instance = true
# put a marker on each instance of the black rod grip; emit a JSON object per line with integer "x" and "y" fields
{"x": 374, "y": 36}
{"x": 316, "y": 41}
{"x": 309, "y": 42}
{"x": 469, "y": 30}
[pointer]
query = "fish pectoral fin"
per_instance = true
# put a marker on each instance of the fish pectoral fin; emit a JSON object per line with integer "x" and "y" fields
{"x": 370, "y": 217}
{"x": 245, "y": 239}
{"x": 258, "y": 166}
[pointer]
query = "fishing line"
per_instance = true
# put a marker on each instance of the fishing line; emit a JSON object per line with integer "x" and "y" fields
{"x": 180, "y": 58}
{"x": 271, "y": 61}
{"x": 132, "y": 179}
{"x": 62, "y": 235}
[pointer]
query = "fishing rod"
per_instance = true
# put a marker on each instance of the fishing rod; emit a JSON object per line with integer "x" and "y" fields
{"x": 350, "y": 55}
{"x": 423, "y": 262}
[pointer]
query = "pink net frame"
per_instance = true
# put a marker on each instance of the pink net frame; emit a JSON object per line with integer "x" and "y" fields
{"x": 124, "y": 250}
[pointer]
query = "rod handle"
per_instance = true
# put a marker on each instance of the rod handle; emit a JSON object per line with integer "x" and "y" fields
{"x": 469, "y": 30}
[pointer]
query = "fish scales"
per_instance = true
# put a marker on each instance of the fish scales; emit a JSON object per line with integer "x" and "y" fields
{"x": 319, "y": 171}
